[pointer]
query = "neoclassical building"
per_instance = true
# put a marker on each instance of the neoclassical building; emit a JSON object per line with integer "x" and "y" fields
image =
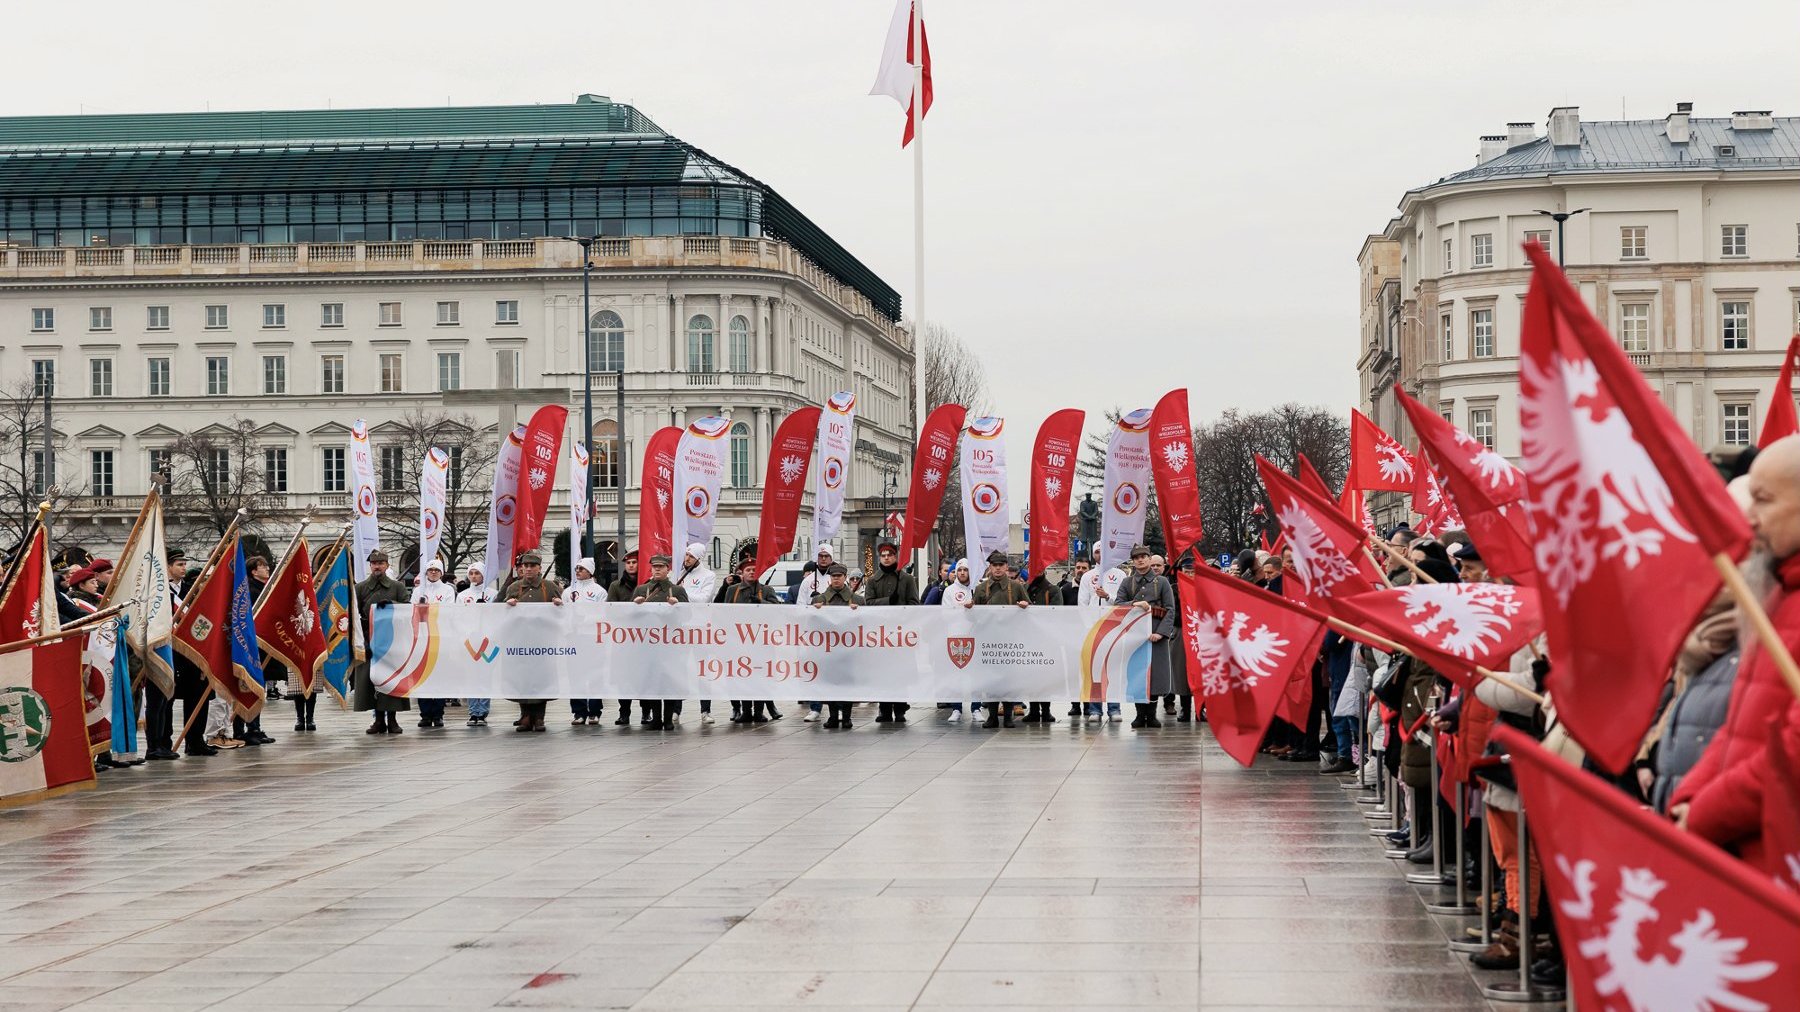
{"x": 167, "y": 274}
{"x": 1683, "y": 233}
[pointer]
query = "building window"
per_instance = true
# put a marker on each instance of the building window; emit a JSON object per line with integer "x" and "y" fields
{"x": 740, "y": 344}
{"x": 275, "y": 476}
{"x": 1481, "y": 425}
{"x": 506, "y": 368}
{"x": 449, "y": 314}
{"x": 43, "y": 320}
{"x": 1481, "y": 250}
{"x": 43, "y": 377}
{"x": 390, "y": 314}
{"x": 159, "y": 377}
{"x": 1734, "y": 240}
{"x": 453, "y": 475}
{"x": 100, "y": 377}
{"x": 740, "y": 455}
{"x": 99, "y": 317}
{"x": 41, "y": 477}
{"x": 1734, "y": 326}
{"x": 1631, "y": 243}
{"x": 218, "y": 376}
{"x": 162, "y": 466}
{"x": 331, "y": 374}
{"x": 331, "y": 314}
{"x": 1449, "y": 256}
{"x": 100, "y": 472}
{"x": 216, "y": 475}
{"x": 274, "y": 374}
{"x": 217, "y": 317}
{"x": 606, "y": 454}
{"x": 1481, "y": 333}
{"x": 449, "y": 373}
{"x": 1734, "y": 428}
{"x": 1446, "y": 337}
{"x": 331, "y": 469}
{"x": 1634, "y": 326}
{"x": 392, "y": 372}
{"x": 506, "y": 312}
{"x": 156, "y": 318}
{"x": 1447, "y": 411}
{"x": 1541, "y": 236}
{"x": 393, "y": 468}
{"x": 606, "y": 334}
{"x": 274, "y": 316}
{"x": 700, "y": 344}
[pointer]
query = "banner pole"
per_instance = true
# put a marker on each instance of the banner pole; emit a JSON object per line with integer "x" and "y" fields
{"x": 1765, "y": 630}
{"x": 918, "y": 313}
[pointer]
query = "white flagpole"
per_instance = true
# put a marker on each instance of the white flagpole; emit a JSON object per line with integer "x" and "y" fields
{"x": 918, "y": 142}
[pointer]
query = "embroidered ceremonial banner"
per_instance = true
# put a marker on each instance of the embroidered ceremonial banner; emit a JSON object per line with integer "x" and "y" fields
{"x": 784, "y": 487}
{"x": 141, "y": 583}
{"x": 725, "y": 651}
{"x": 656, "y": 499}
{"x": 337, "y": 612}
{"x": 699, "y": 471}
{"x": 503, "y": 506}
{"x": 985, "y": 516}
{"x": 28, "y": 601}
{"x": 1172, "y": 466}
{"x": 930, "y": 475}
{"x": 537, "y": 473}
{"x": 365, "y": 536}
{"x": 43, "y": 741}
{"x": 836, "y": 421}
{"x": 288, "y": 627}
{"x": 1052, "y": 475}
{"x": 1127, "y": 477}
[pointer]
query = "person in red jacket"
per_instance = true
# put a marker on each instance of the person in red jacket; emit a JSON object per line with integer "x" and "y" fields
{"x": 1720, "y": 800}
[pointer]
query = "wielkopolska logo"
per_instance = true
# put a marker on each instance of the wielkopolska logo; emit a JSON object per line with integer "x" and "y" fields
{"x": 1127, "y": 498}
{"x": 365, "y": 500}
{"x": 961, "y": 649}
{"x": 485, "y": 653}
{"x": 834, "y": 472}
{"x": 505, "y": 509}
{"x": 699, "y": 501}
{"x": 1136, "y": 421}
{"x": 841, "y": 402}
{"x": 985, "y": 497}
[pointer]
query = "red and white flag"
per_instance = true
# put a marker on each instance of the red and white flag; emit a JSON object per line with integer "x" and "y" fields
{"x": 28, "y": 599}
{"x": 836, "y": 421}
{"x": 1330, "y": 561}
{"x": 43, "y": 733}
{"x": 1052, "y": 476}
{"x": 1651, "y": 917}
{"x": 503, "y": 507}
{"x": 1311, "y": 478}
{"x": 932, "y": 462}
{"x": 1377, "y": 461}
{"x": 1626, "y": 515}
{"x": 434, "y": 479}
{"x": 288, "y": 626}
{"x": 1355, "y": 506}
{"x": 537, "y": 473}
{"x": 1454, "y": 627}
{"x": 899, "y": 56}
{"x": 656, "y": 499}
{"x": 1781, "y": 421}
{"x": 784, "y": 486}
{"x": 1436, "y": 512}
{"x": 1484, "y": 488}
{"x": 1172, "y": 468}
{"x": 1244, "y": 646}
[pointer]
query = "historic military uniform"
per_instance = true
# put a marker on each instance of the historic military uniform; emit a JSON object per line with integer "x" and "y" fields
{"x": 621, "y": 591}
{"x": 999, "y": 590}
{"x": 1040, "y": 591}
{"x": 1154, "y": 590}
{"x": 837, "y": 596}
{"x": 890, "y": 586}
{"x": 529, "y": 590}
{"x": 378, "y": 590}
{"x": 744, "y": 711}
{"x": 662, "y": 713}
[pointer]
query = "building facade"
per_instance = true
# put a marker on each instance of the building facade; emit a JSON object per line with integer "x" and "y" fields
{"x": 1683, "y": 235}
{"x": 263, "y": 280}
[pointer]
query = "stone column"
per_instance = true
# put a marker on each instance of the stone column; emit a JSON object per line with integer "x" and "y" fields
{"x": 759, "y": 336}
{"x": 678, "y": 336}
{"x": 759, "y": 447}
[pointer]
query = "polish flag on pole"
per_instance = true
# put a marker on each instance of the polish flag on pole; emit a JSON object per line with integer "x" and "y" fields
{"x": 899, "y": 66}
{"x": 1781, "y": 421}
{"x": 1377, "y": 460}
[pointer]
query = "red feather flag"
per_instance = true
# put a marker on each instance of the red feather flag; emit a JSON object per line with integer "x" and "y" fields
{"x": 1172, "y": 467}
{"x": 1245, "y": 646}
{"x": 1052, "y": 476}
{"x": 1650, "y": 917}
{"x": 1454, "y": 627}
{"x": 1329, "y": 558}
{"x": 537, "y": 474}
{"x": 784, "y": 486}
{"x": 1780, "y": 420}
{"x": 932, "y": 462}
{"x": 1377, "y": 461}
{"x": 1626, "y": 515}
{"x": 1483, "y": 487}
{"x": 656, "y": 499}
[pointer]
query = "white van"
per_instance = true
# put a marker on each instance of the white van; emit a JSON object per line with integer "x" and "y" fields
{"x": 784, "y": 577}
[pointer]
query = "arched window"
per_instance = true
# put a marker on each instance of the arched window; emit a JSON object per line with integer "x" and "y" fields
{"x": 605, "y": 455}
{"x": 740, "y": 455}
{"x": 700, "y": 344}
{"x": 740, "y": 344}
{"x": 606, "y": 342}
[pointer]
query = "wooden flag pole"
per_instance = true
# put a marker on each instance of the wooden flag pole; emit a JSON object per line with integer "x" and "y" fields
{"x": 1405, "y": 560}
{"x": 1358, "y": 632}
{"x": 206, "y": 575}
{"x": 1379, "y": 568}
{"x": 199, "y": 708}
{"x": 81, "y": 627}
{"x": 1765, "y": 629}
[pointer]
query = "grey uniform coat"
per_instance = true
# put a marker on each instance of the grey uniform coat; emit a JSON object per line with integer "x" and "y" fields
{"x": 369, "y": 593}
{"x": 1155, "y": 591}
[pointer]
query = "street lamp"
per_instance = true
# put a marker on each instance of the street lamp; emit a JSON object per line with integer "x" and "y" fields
{"x": 1559, "y": 217}
{"x": 890, "y": 483}
{"x": 587, "y": 396}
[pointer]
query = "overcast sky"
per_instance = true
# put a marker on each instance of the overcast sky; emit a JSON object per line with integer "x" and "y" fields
{"x": 1121, "y": 197}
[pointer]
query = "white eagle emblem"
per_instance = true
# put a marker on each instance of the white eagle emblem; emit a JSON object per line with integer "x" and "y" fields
{"x": 933, "y": 478}
{"x": 791, "y": 468}
{"x": 1598, "y": 495}
{"x": 1494, "y": 469}
{"x": 1318, "y": 564}
{"x": 302, "y": 619}
{"x": 537, "y": 476}
{"x": 1462, "y": 619}
{"x": 1699, "y": 981}
{"x": 1176, "y": 454}
{"x": 1232, "y": 655}
{"x": 32, "y": 627}
{"x": 1393, "y": 462}
{"x": 1053, "y": 487}
{"x": 662, "y": 498}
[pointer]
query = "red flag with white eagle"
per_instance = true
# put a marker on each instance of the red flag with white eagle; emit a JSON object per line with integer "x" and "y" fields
{"x": 1626, "y": 515}
{"x": 932, "y": 461}
{"x": 1329, "y": 558}
{"x": 1781, "y": 420}
{"x": 1052, "y": 474}
{"x": 656, "y": 499}
{"x": 537, "y": 473}
{"x": 1436, "y": 512}
{"x": 1172, "y": 468}
{"x": 1311, "y": 478}
{"x": 906, "y": 47}
{"x": 1244, "y": 648}
{"x": 28, "y": 597}
{"x": 1650, "y": 917}
{"x": 784, "y": 487}
{"x": 1454, "y": 627}
{"x": 1377, "y": 461}
{"x": 288, "y": 626}
{"x": 1483, "y": 487}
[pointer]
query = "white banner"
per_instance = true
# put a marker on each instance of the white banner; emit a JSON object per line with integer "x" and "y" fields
{"x": 985, "y": 516}
{"x": 699, "y": 471}
{"x": 141, "y": 583}
{"x": 578, "y": 501}
{"x": 432, "y": 482}
{"x": 365, "y": 537}
{"x": 836, "y": 420}
{"x": 740, "y": 651}
{"x": 1122, "y": 511}
{"x": 503, "y": 507}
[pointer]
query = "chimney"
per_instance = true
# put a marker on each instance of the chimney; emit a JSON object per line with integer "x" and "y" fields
{"x": 1492, "y": 147}
{"x": 1754, "y": 119}
{"x": 1676, "y": 126}
{"x": 1565, "y": 126}
{"x": 1520, "y": 133}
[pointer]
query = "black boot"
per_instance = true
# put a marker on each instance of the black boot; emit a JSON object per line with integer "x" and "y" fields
{"x": 884, "y": 713}
{"x": 993, "y": 718}
{"x": 1006, "y": 719}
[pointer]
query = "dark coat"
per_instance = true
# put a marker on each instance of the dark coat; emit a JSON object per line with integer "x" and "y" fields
{"x": 1415, "y": 701}
{"x": 661, "y": 591}
{"x": 1694, "y": 718}
{"x": 748, "y": 592}
{"x": 1003, "y": 590}
{"x": 838, "y": 597}
{"x": 622, "y": 589}
{"x": 1156, "y": 591}
{"x": 890, "y": 586}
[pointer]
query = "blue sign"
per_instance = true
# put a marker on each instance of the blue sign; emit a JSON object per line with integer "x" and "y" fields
{"x": 1224, "y": 559}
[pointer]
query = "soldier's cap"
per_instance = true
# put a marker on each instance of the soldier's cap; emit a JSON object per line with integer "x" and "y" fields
{"x": 531, "y": 559}
{"x": 630, "y": 556}
{"x": 997, "y": 558}
{"x": 887, "y": 546}
{"x": 836, "y": 569}
{"x": 378, "y": 556}
{"x": 1137, "y": 550}
{"x": 748, "y": 560}
{"x": 659, "y": 560}
{"x": 101, "y": 566}
{"x": 82, "y": 575}
{"x": 175, "y": 555}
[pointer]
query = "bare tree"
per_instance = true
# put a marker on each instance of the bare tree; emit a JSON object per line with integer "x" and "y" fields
{"x": 1225, "y": 461}
{"x": 954, "y": 374}
{"x": 473, "y": 451}
{"x": 21, "y": 437}
{"x": 213, "y": 473}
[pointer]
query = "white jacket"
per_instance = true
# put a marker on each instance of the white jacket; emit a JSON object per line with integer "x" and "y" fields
{"x": 434, "y": 592}
{"x": 700, "y": 583}
{"x": 810, "y": 584}
{"x": 957, "y": 595}
{"x": 481, "y": 593}
{"x": 584, "y": 591}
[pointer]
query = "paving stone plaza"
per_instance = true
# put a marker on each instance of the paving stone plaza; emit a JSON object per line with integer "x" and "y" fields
{"x": 1073, "y": 866}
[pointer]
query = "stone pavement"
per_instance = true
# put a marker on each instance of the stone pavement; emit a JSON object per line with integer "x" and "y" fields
{"x": 938, "y": 865}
